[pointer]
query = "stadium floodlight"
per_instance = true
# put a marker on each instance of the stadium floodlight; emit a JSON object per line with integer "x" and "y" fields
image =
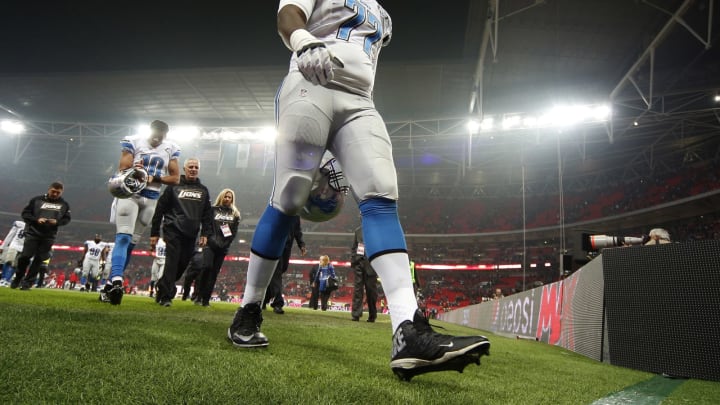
{"x": 12, "y": 127}
{"x": 267, "y": 134}
{"x": 143, "y": 130}
{"x": 183, "y": 133}
{"x": 227, "y": 135}
{"x": 473, "y": 126}
{"x": 511, "y": 121}
{"x": 487, "y": 124}
{"x": 602, "y": 112}
{"x": 529, "y": 121}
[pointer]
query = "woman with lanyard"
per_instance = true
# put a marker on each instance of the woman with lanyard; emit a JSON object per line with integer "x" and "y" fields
{"x": 226, "y": 218}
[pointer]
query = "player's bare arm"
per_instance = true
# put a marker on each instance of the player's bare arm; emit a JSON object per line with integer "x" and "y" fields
{"x": 126, "y": 161}
{"x": 290, "y": 18}
{"x": 173, "y": 176}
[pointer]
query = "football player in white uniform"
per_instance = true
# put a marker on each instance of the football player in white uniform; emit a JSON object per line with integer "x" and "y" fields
{"x": 325, "y": 103}
{"x": 12, "y": 245}
{"x": 158, "y": 265}
{"x": 106, "y": 265}
{"x": 159, "y": 157}
{"x": 93, "y": 253}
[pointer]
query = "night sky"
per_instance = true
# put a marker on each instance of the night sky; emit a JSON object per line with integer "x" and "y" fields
{"x": 67, "y": 36}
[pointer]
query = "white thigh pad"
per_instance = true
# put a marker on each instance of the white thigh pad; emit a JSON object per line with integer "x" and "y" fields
{"x": 363, "y": 148}
{"x": 126, "y": 213}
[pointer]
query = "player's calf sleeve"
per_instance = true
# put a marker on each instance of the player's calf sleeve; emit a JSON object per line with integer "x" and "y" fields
{"x": 130, "y": 248}
{"x": 119, "y": 255}
{"x": 381, "y": 227}
{"x": 7, "y": 272}
{"x": 271, "y": 233}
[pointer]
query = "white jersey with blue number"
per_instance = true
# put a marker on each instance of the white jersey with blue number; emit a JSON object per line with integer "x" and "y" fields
{"x": 354, "y": 31}
{"x": 108, "y": 255}
{"x": 154, "y": 160}
{"x": 160, "y": 251}
{"x": 15, "y": 238}
{"x": 94, "y": 249}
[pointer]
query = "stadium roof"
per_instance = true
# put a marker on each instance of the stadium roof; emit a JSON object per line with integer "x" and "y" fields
{"x": 220, "y": 64}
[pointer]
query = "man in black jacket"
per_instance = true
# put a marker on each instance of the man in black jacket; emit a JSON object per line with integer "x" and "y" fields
{"x": 314, "y": 288}
{"x": 184, "y": 210}
{"x": 274, "y": 290}
{"x": 365, "y": 280}
{"x": 43, "y": 215}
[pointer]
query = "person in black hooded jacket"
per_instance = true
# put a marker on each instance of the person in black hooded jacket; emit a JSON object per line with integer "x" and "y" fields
{"x": 43, "y": 215}
{"x": 226, "y": 218}
{"x": 184, "y": 210}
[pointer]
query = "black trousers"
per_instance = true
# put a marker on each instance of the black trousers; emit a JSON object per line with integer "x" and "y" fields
{"x": 314, "y": 295}
{"x": 275, "y": 289}
{"x": 179, "y": 250}
{"x": 324, "y": 297}
{"x": 192, "y": 273}
{"x": 365, "y": 282}
{"x": 213, "y": 260}
{"x": 37, "y": 249}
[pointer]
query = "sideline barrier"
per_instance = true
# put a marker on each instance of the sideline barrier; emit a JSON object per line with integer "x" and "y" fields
{"x": 651, "y": 308}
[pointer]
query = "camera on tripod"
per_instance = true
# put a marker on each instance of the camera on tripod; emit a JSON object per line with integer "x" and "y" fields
{"x": 593, "y": 243}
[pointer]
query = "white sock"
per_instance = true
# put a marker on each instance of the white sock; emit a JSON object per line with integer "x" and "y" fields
{"x": 394, "y": 272}
{"x": 259, "y": 273}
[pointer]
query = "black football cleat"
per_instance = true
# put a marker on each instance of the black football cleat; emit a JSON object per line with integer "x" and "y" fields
{"x": 245, "y": 328}
{"x": 115, "y": 294}
{"x": 418, "y": 349}
{"x": 104, "y": 293}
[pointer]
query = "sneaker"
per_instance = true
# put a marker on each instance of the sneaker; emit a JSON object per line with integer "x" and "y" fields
{"x": 371, "y": 320}
{"x": 418, "y": 349}
{"x": 205, "y": 303}
{"x": 115, "y": 293}
{"x": 356, "y": 319}
{"x": 15, "y": 283}
{"x": 278, "y": 310}
{"x": 25, "y": 286}
{"x": 165, "y": 302}
{"x": 245, "y": 328}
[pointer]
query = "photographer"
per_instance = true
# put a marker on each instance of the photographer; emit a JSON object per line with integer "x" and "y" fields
{"x": 658, "y": 236}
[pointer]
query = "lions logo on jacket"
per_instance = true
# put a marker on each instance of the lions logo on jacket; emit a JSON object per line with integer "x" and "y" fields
{"x": 191, "y": 195}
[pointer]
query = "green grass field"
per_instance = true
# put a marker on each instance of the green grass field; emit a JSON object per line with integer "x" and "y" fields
{"x": 67, "y": 347}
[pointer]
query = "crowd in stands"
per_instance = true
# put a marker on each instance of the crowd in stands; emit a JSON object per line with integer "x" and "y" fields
{"x": 441, "y": 289}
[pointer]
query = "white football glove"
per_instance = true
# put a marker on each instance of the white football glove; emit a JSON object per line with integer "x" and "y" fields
{"x": 314, "y": 59}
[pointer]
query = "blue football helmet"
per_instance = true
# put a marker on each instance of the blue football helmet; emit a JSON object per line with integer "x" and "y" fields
{"x": 327, "y": 195}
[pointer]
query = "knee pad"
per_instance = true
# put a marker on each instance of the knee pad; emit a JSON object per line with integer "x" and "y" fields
{"x": 291, "y": 193}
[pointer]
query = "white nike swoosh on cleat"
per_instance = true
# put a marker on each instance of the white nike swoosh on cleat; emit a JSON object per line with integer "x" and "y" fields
{"x": 451, "y": 344}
